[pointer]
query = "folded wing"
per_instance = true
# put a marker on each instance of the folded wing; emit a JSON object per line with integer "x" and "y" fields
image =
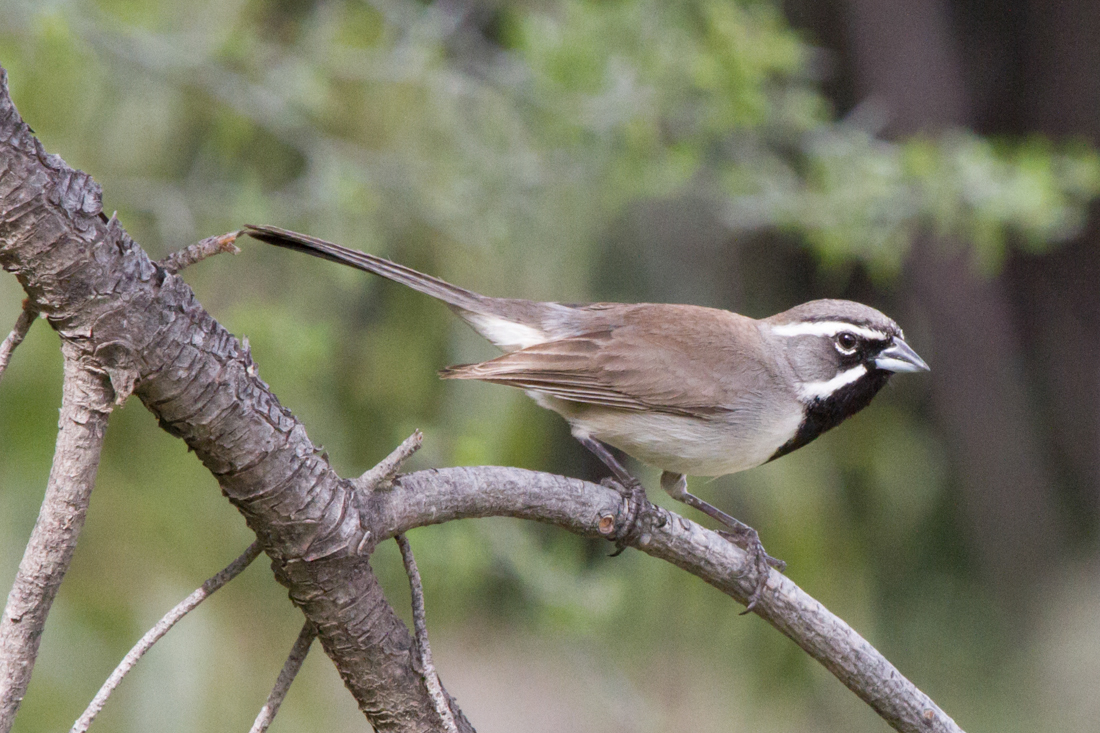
{"x": 685, "y": 371}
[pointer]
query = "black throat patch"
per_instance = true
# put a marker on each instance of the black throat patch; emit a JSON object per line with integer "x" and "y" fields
{"x": 825, "y": 413}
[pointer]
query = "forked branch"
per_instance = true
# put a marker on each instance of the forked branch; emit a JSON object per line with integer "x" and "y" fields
{"x": 433, "y": 497}
{"x": 141, "y": 328}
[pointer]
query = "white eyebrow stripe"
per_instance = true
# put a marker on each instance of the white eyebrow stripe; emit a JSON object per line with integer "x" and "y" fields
{"x": 828, "y": 328}
{"x": 820, "y": 390}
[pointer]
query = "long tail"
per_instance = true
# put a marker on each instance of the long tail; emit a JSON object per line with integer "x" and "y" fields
{"x": 509, "y": 324}
{"x": 452, "y": 295}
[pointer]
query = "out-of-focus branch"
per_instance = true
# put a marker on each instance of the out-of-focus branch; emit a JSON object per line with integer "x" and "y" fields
{"x": 441, "y": 495}
{"x": 18, "y": 333}
{"x": 162, "y": 627}
{"x": 86, "y": 402}
{"x": 286, "y": 676}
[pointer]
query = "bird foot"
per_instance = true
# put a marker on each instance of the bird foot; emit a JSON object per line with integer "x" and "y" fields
{"x": 749, "y": 541}
{"x": 637, "y": 506}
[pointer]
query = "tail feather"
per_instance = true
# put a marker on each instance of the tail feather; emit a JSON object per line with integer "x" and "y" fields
{"x": 452, "y": 295}
{"x": 508, "y": 323}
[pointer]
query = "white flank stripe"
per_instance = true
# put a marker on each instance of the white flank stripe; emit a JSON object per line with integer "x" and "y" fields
{"x": 506, "y": 335}
{"x": 827, "y": 328}
{"x": 820, "y": 390}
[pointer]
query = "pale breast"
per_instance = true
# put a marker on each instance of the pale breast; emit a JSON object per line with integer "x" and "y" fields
{"x": 712, "y": 446}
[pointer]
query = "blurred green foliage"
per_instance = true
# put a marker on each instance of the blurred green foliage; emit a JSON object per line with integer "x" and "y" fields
{"x": 501, "y": 146}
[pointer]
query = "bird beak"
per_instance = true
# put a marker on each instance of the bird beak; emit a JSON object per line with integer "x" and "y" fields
{"x": 898, "y": 357}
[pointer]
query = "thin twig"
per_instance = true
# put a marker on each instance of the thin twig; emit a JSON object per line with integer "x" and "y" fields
{"x": 18, "y": 333}
{"x": 161, "y": 628}
{"x": 381, "y": 476}
{"x": 85, "y": 405}
{"x": 199, "y": 251}
{"x": 420, "y": 631}
{"x": 290, "y": 670}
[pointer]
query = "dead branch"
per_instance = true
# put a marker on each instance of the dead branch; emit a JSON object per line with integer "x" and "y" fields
{"x": 199, "y": 251}
{"x": 381, "y": 476}
{"x": 142, "y": 327}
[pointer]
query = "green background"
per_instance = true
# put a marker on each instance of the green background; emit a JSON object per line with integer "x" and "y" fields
{"x": 638, "y": 150}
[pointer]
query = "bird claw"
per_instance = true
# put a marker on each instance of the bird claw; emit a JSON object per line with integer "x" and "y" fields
{"x": 749, "y": 541}
{"x": 636, "y": 505}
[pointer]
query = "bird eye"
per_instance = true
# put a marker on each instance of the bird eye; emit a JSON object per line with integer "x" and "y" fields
{"x": 846, "y": 342}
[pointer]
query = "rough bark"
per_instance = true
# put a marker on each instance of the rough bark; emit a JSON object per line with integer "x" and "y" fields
{"x": 124, "y": 317}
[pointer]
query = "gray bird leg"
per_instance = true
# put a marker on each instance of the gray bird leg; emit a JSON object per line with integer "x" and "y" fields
{"x": 739, "y": 533}
{"x": 628, "y": 486}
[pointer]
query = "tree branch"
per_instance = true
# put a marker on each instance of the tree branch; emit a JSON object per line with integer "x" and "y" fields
{"x": 420, "y": 628}
{"x": 18, "y": 333}
{"x": 85, "y": 405}
{"x": 442, "y": 495}
{"x": 162, "y": 627}
{"x": 382, "y": 475}
{"x": 143, "y": 328}
{"x": 199, "y": 251}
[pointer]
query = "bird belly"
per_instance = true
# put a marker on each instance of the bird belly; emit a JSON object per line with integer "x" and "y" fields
{"x": 698, "y": 446}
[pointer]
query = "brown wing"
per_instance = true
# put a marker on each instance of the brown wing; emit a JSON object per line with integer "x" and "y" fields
{"x": 665, "y": 358}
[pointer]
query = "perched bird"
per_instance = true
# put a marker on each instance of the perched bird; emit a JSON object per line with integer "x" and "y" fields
{"x": 686, "y": 389}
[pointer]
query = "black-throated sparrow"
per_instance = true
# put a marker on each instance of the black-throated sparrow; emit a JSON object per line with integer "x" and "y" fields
{"x": 686, "y": 389}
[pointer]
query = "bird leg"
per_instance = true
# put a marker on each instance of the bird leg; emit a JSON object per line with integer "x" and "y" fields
{"x": 630, "y": 488}
{"x": 738, "y": 533}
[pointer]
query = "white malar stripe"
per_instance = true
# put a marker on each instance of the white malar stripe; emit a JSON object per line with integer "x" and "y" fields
{"x": 820, "y": 390}
{"x": 827, "y": 328}
{"x": 506, "y": 335}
